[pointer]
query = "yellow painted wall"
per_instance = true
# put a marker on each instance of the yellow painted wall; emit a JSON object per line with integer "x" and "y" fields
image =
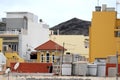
{"x": 58, "y": 53}
{"x": 73, "y": 43}
{"x": 1, "y": 44}
{"x": 102, "y": 38}
{"x": 12, "y": 57}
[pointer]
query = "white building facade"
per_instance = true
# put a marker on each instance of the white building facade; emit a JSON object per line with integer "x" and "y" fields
{"x": 31, "y": 33}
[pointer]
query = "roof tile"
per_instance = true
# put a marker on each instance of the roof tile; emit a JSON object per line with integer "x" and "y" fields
{"x": 50, "y": 45}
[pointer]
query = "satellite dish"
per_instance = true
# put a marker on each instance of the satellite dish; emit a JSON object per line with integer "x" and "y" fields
{"x": 7, "y": 70}
{"x": 16, "y": 65}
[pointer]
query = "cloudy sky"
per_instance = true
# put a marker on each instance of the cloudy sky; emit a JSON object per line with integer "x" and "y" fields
{"x": 54, "y": 12}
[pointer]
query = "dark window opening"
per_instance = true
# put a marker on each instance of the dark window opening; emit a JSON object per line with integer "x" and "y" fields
{"x": 42, "y": 58}
{"x": 53, "y": 58}
{"x": 33, "y": 56}
{"x": 47, "y": 57}
{"x": 117, "y": 33}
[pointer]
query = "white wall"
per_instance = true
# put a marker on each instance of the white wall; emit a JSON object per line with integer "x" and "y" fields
{"x": 36, "y": 35}
{"x": 2, "y": 58}
{"x": 31, "y": 17}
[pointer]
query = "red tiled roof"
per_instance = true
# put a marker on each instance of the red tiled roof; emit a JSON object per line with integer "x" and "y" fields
{"x": 50, "y": 45}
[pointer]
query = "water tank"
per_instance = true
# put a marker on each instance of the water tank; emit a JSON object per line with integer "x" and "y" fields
{"x": 66, "y": 69}
{"x": 98, "y": 8}
{"x": 92, "y": 69}
{"x": 111, "y": 72}
{"x": 104, "y": 6}
{"x": 80, "y": 68}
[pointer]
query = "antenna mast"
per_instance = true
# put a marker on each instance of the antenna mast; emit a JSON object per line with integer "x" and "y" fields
{"x": 117, "y": 3}
{"x": 97, "y": 2}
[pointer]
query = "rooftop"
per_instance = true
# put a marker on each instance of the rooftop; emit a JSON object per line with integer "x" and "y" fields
{"x": 50, "y": 45}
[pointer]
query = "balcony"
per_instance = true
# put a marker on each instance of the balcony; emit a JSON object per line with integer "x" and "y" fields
{"x": 9, "y": 32}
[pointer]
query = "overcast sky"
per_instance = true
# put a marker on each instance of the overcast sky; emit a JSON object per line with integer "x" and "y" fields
{"x": 54, "y": 12}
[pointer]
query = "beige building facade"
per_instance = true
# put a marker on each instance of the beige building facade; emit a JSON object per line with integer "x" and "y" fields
{"x": 76, "y": 44}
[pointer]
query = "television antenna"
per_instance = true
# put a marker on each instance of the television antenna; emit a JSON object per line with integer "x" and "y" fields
{"x": 117, "y": 5}
{"x": 97, "y": 2}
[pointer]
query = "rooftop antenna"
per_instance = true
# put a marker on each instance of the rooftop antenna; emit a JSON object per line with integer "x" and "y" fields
{"x": 97, "y": 8}
{"x": 117, "y": 3}
{"x": 97, "y": 2}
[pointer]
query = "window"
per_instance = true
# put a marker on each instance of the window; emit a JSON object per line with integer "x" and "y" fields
{"x": 33, "y": 55}
{"x": 118, "y": 27}
{"x": 47, "y": 57}
{"x": 42, "y": 59}
{"x": 86, "y": 43}
{"x": 117, "y": 33}
{"x": 53, "y": 58}
{"x": 13, "y": 47}
{"x": 5, "y": 47}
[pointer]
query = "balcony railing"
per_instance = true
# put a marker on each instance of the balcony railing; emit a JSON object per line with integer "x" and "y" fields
{"x": 9, "y": 32}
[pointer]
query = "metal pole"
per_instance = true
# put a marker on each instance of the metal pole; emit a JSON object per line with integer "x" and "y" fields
{"x": 97, "y": 2}
{"x": 117, "y": 65}
{"x": 62, "y": 57}
{"x": 63, "y": 52}
{"x": 8, "y": 75}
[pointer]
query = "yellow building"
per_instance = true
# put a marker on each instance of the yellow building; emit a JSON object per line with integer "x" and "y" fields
{"x": 76, "y": 44}
{"x": 10, "y": 55}
{"x": 104, "y": 30}
{"x": 49, "y": 51}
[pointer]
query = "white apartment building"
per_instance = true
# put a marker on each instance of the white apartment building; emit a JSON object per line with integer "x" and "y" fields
{"x": 29, "y": 32}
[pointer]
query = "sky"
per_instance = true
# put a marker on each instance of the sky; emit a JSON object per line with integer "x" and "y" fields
{"x": 54, "y": 12}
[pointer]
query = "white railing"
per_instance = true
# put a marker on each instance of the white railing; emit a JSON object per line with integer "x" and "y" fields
{"x": 9, "y": 32}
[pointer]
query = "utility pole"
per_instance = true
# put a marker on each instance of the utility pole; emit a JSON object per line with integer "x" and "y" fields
{"x": 117, "y": 73}
{"x": 63, "y": 47}
{"x": 62, "y": 58}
